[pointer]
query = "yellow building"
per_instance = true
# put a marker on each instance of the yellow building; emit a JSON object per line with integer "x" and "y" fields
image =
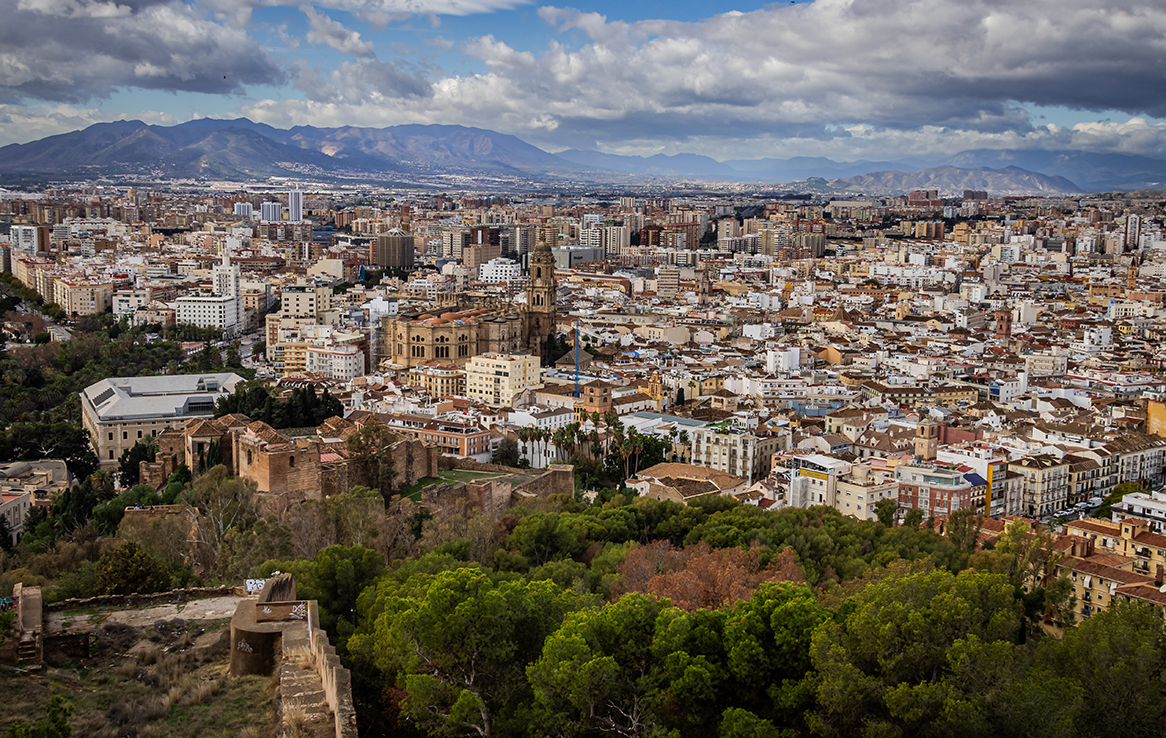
{"x": 438, "y": 380}
{"x": 497, "y": 378}
{"x": 83, "y": 297}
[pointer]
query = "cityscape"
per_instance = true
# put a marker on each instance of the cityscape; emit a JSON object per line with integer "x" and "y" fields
{"x": 408, "y": 381}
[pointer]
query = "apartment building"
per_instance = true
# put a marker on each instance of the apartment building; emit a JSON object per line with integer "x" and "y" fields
{"x": 438, "y": 380}
{"x": 335, "y": 361}
{"x": 220, "y": 312}
{"x": 936, "y": 489}
{"x": 738, "y": 452}
{"x": 1046, "y": 484}
{"x": 497, "y": 378}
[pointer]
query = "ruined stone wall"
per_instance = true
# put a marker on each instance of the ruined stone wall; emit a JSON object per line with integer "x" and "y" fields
{"x": 133, "y": 600}
{"x": 335, "y": 478}
{"x": 558, "y": 479}
{"x": 337, "y": 684}
{"x": 156, "y": 472}
{"x": 413, "y": 460}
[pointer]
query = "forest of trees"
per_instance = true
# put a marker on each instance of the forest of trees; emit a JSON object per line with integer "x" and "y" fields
{"x": 644, "y": 617}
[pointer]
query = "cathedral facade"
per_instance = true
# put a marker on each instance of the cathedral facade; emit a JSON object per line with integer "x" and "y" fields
{"x": 454, "y": 333}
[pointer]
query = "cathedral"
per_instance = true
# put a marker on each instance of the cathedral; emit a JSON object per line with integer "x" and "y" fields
{"x": 457, "y": 331}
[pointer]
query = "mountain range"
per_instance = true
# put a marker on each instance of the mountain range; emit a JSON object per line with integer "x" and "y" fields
{"x": 241, "y": 149}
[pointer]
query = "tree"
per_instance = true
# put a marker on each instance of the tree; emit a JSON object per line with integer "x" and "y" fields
{"x": 50, "y": 440}
{"x": 885, "y": 509}
{"x": 1118, "y": 658}
{"x": 598, "y": 672}
{"x": 914, "y": 657}
{"x": 913, "y": 518}
{"x": 507, "y": 452}
{"x": 224, "y": 503}
{"x": 334, "y": 578}
{"x": 129, "y": 465}
{"x": 701, "y": 577}
{"x": 462, "y": 642}
{"x": 129, "y": 569}
{"x": 963, "y": 529}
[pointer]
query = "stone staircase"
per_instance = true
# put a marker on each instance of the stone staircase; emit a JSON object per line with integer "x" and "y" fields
{"x": 303, "y": 706}
{"x": 29, "y": 650}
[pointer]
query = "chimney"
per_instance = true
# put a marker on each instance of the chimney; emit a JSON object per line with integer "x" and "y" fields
{"x": 1158, "y": 575}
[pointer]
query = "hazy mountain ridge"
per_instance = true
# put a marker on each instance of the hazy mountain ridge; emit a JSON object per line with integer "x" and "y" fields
{"x": 951, "y": 181}
{"x": 242, "y": 149}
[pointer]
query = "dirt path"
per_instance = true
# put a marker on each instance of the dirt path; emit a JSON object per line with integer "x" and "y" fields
{"x": 211, "y": 608}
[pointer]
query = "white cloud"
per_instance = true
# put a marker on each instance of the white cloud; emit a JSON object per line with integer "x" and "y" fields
{"x": 324, "y": 30}
{"x": 73, "y": 50}
{"x": 20, "y": 123}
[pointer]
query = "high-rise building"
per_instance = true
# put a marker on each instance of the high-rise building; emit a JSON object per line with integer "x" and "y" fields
{"x": 271, "y": 212}
{"x": 244, "y": 209}
{"x": 393, "y": 250}
{"x": 295, "y": 206}
{"x": 30, "y": 239}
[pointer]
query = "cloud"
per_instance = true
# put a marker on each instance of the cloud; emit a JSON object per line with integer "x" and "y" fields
{"x": 362, "y": 83}
{"x": 324, "y": 30}
{"x": 831, "y": 75}
{"x": 74, "y": 50}
{"x": 22, "y": 123}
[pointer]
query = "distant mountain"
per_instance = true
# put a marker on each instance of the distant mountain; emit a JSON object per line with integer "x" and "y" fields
{"x": 675, "y": 165}
{"x": 745, "y": 170}
{"x": 803, "y": 167}
{"x": 954, "y": 180}
{"x": 1093, "y": 172}
{"x": 241, "y": 149}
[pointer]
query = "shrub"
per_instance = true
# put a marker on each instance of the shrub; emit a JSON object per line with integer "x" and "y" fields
{"x": 127, "y": 569}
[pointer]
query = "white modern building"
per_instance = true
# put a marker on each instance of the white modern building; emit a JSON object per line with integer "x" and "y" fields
{"x": 499, "y": 270}
{"x": 295, "y": 206}
{"x": 271, "y": 211}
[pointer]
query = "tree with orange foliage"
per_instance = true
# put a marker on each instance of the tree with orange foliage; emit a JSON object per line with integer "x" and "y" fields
{"x": 699, "y": 576}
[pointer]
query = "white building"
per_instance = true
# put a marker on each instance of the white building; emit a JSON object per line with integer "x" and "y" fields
{"x": 211, "y": 311}
{"x": 499, "y": 270}
{"x": 23, "y": 238}
{"x": 127, "y": 302}
{"x": 496, "y": 379}
{"x": 271, "y": 211}
{"x": 295, "y": 206}
{"x": 340, "y": 362}
{"x": 245, "y": 210}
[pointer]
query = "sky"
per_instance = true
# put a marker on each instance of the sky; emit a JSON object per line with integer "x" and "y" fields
{"x": 845, "y": 79}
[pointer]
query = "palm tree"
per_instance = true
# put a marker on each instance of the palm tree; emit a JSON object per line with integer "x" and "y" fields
{"x": 684, "y": 443}
{"x": 544, "y": 435}
{"x": 625, "y": 450}
{"x": 524, "y": 434}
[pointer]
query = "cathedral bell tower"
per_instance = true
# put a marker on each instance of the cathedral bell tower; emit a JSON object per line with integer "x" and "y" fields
{"x": 541, "y": 293}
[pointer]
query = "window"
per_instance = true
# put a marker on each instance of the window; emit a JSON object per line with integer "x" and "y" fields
{"x": 139, "y": 434}
{"x": 291, "y": 461}
{"x": 125, "y": 435}
{"x": 111, "y": 435}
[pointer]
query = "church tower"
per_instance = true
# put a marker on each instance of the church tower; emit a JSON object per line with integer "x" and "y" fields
{"x": 541, "y": 293}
